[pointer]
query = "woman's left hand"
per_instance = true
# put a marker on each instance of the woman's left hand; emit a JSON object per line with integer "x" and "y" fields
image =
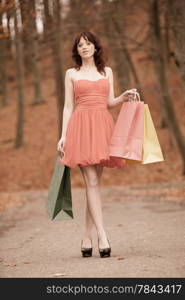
{"x": 129, "y": 95}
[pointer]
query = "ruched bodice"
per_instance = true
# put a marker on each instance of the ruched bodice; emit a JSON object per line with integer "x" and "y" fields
{"x": 91, "y": 94}
{"x": 90, "y": 127}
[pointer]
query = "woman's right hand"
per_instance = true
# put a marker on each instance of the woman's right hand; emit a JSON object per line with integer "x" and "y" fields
{"x": 61, "y": 144}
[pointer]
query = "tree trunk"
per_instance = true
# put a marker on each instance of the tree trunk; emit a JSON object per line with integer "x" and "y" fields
{"x": 3, "y": 74}
{"x": 57, "y": 61}
{"x": 129, "y": 59}
{"x": 35, "y": 55}
{"x": 114, "y": 15}
{"x": 26, "y": 41}
{"x": 176, "y": 10}
{"x": 46, "y": 19}
{"x": 114, "y": 43}
{"x": 168, "y": 109}
{"x": 8, "y": 40}
{"x": 166, "y": 49}
{"x": 20, "y": 84}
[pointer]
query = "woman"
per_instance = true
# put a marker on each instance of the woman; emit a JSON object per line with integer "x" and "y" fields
{"x": 87, "y": 129}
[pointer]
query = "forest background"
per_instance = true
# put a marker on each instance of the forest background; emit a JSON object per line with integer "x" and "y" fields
{"x": 145, "y": 45}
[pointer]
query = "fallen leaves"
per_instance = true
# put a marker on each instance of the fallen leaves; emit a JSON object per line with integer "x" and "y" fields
{"x": 120, "y": 257}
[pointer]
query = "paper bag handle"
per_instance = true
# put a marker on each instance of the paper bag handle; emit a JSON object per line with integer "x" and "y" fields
{"x": 136, "y": 95}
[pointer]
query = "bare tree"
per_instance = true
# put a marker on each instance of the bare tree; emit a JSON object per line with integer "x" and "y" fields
{"x": 20, "y": 82}
{"x": 57, "y": 60}
{"x": 26, "y": 41}
{"x": 35, "y": 59}
{"x": 46, "y": 18}
{"x": 176, "y": 11}
{"x": 3, "y": 73}
{"x": 8, "y": 4}
{"x": 114, "y": 15}
{"x": 114, "y": 33}
{"x": 159, "y": 63}
{"x": 31, "y": 46}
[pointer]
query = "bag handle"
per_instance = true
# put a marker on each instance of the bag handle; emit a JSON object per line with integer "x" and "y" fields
{"x": 136, "y": 95}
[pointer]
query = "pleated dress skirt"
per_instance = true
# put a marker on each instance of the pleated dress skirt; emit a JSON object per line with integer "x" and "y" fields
{"x": 90, "y": 127}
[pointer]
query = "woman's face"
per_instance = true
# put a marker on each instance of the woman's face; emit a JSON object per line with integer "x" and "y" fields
{"x": 85, "y": 48}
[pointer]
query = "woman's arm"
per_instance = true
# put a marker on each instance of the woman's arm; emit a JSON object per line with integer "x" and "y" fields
{"x": 112, "y": 101}
{"x": 69, "y": 102}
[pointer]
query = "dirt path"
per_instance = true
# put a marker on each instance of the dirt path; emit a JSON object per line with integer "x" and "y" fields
{"x": 145, "y": 229}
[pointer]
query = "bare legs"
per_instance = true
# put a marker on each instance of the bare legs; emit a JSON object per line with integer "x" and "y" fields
{"x": 92, "y": 175}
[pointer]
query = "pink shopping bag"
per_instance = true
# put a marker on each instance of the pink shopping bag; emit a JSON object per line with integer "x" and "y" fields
{"x": 152, "y": 151}
{"x": 128, "y": 134}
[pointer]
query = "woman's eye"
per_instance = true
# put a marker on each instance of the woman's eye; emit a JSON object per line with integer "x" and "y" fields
{"x": 81, "y": 45}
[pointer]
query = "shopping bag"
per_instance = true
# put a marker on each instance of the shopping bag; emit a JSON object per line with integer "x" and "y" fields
{"x": 59, "y": 200}
{"x": 128, "y": 134}
{"x": 151, "y": 147}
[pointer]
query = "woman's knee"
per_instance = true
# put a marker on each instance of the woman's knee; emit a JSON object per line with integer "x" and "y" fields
{"x": 90, "y": 175}
{"x": 99, "y": 170}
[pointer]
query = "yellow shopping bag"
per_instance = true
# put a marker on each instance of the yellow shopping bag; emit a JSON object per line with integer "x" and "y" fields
{"x": 151, "y": 148}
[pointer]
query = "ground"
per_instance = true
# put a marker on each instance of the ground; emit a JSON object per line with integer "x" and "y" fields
{"x": 145, "y": 226}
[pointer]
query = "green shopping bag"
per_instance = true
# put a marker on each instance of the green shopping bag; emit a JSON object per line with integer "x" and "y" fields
{"x": 59, "y": 200}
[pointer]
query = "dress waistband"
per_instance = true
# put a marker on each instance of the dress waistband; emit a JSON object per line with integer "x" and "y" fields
{"x": 91, "y": 102}
{"x": 79, "y": 107}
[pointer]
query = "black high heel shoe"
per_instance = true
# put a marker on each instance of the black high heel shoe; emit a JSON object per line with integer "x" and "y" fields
{"x": 104, "y": 252}
{"x": 86, "y": 252}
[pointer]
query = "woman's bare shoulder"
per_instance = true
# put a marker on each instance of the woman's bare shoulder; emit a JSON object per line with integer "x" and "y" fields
{"x": 108, "y": 69}
{"x": 71, "y": 72}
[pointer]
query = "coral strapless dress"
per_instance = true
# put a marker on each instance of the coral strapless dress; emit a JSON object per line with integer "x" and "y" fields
{"x": 90, "y": 127}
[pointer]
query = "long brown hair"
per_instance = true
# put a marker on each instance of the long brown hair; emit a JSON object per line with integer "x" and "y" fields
{"x": 99, "y": 54}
